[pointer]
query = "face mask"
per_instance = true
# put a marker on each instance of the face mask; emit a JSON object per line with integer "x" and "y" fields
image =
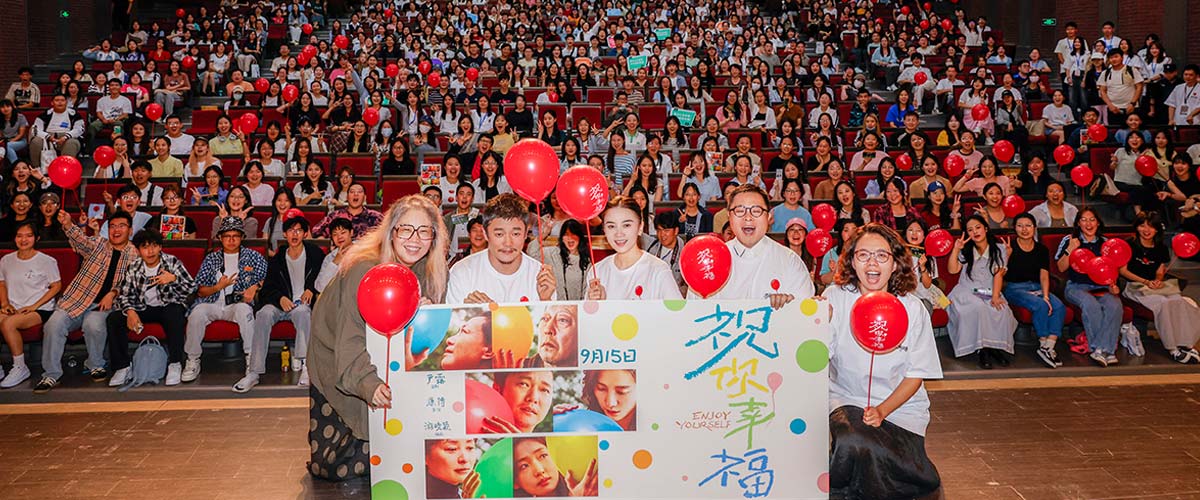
{"x": 858, "y": 84}
{"x": 386, "y": 132}
{"x": 755, "y": 86}
{"x": 424, "y": 128}
{"x": 1034, "y": 78}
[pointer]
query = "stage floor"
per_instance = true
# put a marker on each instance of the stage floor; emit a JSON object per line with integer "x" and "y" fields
{"x": 1050, "y": 438}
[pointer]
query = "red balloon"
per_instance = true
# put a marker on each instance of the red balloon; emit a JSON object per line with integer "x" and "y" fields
{"x": 1013, "y": 205}
{"x": 248, "y": 122}
{"x": 1004, "y": 151}
{"x": 435, "y": 79}
{"x": 1097, "y": 133}
{"x": 1118, "y": 250}
{"x": 303, "y": 59}
{"x": 531, "y": 167}
{"x": 387, "y": 12}
{"x": 483, "y": 402}
{"x": 154, "y": 111}
{"x": 980, "y": 112}
{"x": 371, "y": 116}
{"x": 392, "y": 70}
{"x": 879, "y": 322}
{"x": 1082, "y": 175}
{"x": 954, "y": 165}
{"x": 1186, "y": 245}
{"x": 927, "y": 6}
{"x": 924, "y": 24}
{"x": 879, "y": 20}
{"x": 188, "y": 62}
{"x": 947, "y": 25}
{"x": 306, "y": 29}
{"x": 905, "y": 10}
{"x": 309, "y": 50}
{"x": 424, "y": 67}
{"x": 341, "y": 42}
{"x": 705, "y": 263}
{"x": 292, "y": 213}
{"x": 824, "y": 216}
{"x": 180, "y": 13}
{"x": 290, "y": 93}
{"x": 66, "y": 172}
{"x": 1102, "y": 270}
{"x": 938, "y": 243}
{"x": 920, "y": 78}
{"x": 472, "y": 74}
{"x": 104, "y": 156}
{"x": 819, "y": 242}
{"x": 904, "y": 161}
{"x": 387, "y": 298}
{"x": 1064, "y": 154}
{"x": 582, "y": 192}
{"x": 1146, "y": 166}
{"x": 552, "y": 96}
{"x": 262, "y": 85}
{"x": 1081, "y": 259}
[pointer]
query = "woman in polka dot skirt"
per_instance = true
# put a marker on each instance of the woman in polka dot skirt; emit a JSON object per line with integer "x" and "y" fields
{"x": 344, "y": 382}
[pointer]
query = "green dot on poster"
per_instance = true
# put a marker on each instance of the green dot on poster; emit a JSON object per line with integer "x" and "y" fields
{"x": 388, "y": 490}
{"x": 812, "y": 356}
{"x": 675, "y": 305}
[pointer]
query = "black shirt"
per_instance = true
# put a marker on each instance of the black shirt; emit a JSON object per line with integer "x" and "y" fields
{"x": 1026, "y": 267}
{"x": 502, "y": 98}
{"x": 109, "y": 277}
{"x": 1146, "y": 261}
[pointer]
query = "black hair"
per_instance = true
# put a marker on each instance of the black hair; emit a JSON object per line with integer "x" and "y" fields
{"x": 341, "y": 223}
{"x": 128, "y": 189}
{"x": 295, "y": 221}
{"x": 994, "y": 252}
{"x": 147, "y": 236}
{"x": 121, "y": 214}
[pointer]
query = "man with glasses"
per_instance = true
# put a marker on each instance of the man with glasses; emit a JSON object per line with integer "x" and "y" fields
{"x": 363, "y": 219}
{"x": 228, "y": 281}
{"x": 288, "y": 294}
{"x": 128, "y": 200}
{"x": 88, "y": 298}
{"x": 762, "y": 268}
{"x": 504, "y": 273}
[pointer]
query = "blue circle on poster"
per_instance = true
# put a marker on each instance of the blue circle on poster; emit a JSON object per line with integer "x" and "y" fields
{"x": 604, "y": 445}
{"x": 798, "y": 426}
{"x": 395, "y": 366}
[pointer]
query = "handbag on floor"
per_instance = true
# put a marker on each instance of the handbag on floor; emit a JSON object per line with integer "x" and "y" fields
{"x": 149, "y": 365}
{"x": 1131, "y": 340}
{"x": 48, "y": 153}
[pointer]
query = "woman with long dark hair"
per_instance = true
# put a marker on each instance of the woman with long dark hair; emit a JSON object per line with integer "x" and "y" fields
{"x": 1175, "y": 317}
{"x": 980, "y": 319}
{"x": 1027, "y": 285}
{"x": 1099, "y": 304}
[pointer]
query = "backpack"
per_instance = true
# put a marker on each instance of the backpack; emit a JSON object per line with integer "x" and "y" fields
{"x": 149, "y": 364}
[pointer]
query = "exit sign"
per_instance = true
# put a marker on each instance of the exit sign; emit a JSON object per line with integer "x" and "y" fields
{"x": 1049, "y": 21}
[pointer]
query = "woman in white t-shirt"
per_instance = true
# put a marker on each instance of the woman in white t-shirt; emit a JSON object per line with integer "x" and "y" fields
{"x": 878, "y": 446}
{"x": 630, "y": 273}
{"x": 29, "y": 281}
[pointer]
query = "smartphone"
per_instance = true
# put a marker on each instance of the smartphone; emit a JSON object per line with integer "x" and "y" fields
{"x": 95, "y": 211}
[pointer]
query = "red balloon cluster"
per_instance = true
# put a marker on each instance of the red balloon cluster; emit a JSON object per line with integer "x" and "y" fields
{"x": 1004, "y": 150}
{"x": 1013, "y": 205}
{"x": 824, "y": 216}
{"x": 1079, "y": 259}
{"x": 1064, "y": 154}
{"x": 954, "y": 165}
{"x": 1118, "y": 250}
{"x": 1082, "y": 175}
{"x": 705, "y": 263}
{"x": 66, "y": 172}
{"x": 262, "y": 85}
{"x": 818, "y": 242}
{"x": 1186, "y": 245}
{"x": 582, "y": 192}
{"x": 938, "y": 243}
{"x": 1102, "y": 271}
{"x": 879, "y": 322}
{"x": 387, "y": 298}
{"x": 531, "y": 167}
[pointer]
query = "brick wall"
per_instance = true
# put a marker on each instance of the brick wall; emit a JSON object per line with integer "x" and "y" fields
{"x": 1085, "y": 13}
{"x": 14, "y": 47}
{"x": 22, "y": 46}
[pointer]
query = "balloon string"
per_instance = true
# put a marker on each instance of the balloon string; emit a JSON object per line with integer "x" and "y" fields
{"x": 387, "y": 371}
{"x": 541, "y": 235}
{"x": 587, "y": 228}
{"x": 870, "y": 375}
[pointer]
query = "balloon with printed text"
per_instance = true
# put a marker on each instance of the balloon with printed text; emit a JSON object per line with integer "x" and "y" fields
{"x": 705, "y": 263}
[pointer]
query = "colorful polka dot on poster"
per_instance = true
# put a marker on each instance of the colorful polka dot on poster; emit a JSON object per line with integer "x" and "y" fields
{"x": 604, "y": 445}
{"x": 625, "y": 327}
{"x": 808, "y": 307}
{"x": 458, "y": 407}
{"x": 798, "y": 426}
{"x": 823, "y": 482}
{"x": 608, "y": 483}
{"x": 388, "y": 490}
{"x": 812, "y": 356}
{"x": 675, "y": 305}
{"x": 684, "y": 478}
{"x": 395, "y": 366}
{"x": 375, "y": 460}
{"x": 591, "y": 307}
{"x": 407, "y": 468}
{"x": 654, "y": 427}
{"x": 642, "y": 459}
{"x": 393, "y": 427}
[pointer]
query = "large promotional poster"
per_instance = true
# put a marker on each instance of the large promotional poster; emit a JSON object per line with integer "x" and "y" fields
{"x": 622, "y": 399}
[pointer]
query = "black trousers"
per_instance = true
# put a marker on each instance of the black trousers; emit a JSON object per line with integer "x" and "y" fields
{"x": 876, "y": 463}
{"x": 172, "y": 318}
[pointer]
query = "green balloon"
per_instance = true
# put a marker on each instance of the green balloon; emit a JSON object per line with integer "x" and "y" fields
{"x": 495, "y": 470}
{"x": 388, "y": 490}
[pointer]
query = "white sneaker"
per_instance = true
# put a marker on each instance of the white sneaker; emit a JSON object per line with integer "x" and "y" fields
{"x": 1099, "y": 357}
{"x": 119, "y": 377}
{"x": 174, "y": 371}
{"x": 191, "y": 370}
{"x": 303, "y": 377}
{"x": 297, "y": 364}
{"x": 15, "y": 376}
{"x": 246, "y": 383}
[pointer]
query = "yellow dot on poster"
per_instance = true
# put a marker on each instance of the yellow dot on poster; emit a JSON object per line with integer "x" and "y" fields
{"x": 608, "y": 483}
{"x": 808, "y": 307}
{"x": 393, "y": 427}
{"x": 642, "y": 459}
{"x": 625, "y": 327}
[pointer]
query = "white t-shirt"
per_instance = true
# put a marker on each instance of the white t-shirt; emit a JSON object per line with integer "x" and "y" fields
{"x": 182, "y": 145}
{"x": 151, "y": 295}
{"x": 328, "y": 270}
{"x": 756, "y": 271}
{"x": 1058, "y": 116}
{"x": 849, "y": 363}
{"x": 295, "y": 268}
{"x": 28, "y": 280}
{"x": 649, "y": 274}
{"x": 112, "y": 108}
{"x": 1120, "y": 85}
{"x": 475, "y": 273}
{"x": 1064, "y": 48}
{"x": 1184, "y": 100}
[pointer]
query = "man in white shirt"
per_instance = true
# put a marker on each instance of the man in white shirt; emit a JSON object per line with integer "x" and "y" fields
{"x": 281, "y": 61}
{"x": 1184, "y": 102}
{"x": 1110, "y": 39}
{"x": 181, "y": 143}
{"x": 503, "y": 273}
{"x": 945, "y": 88}
{"x": 909, "y": 75}
{"x": 762, "y": 268}
{"x": 59, "y": 125}
{"x": 1120, "y": 87}
{"x": 111, "y": 109}
{"x": 1065, "y": 46}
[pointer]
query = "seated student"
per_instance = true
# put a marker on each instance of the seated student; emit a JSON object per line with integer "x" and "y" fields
{"x": 631, "y": 273}
{"x": 450, "y": 468}
{"x": 340, "y": 232}
{"x": 1175, "y": 317}
{"x": 877, "y": 446}
{"x": 128, "y": 200}
{"x": 1099, "y": 306}
{"x": 361, "y": 217}
{"x": 1027, "y": 284}
{"x": 980, "y": 318}
{"x": 88, "y": 297}
{"x": 793, "y": 191}
{"x": 151, "y": 194}
{"x": 667, "y": 243}
{"x": 762, "y": 268}
{"x": 29, "y": 282}
{"x": 1055, "y": 212}
{"x": 288, "y": 293}
{"x": 529, "y": 394}
{"x": 228, "y": 281}
{"x": 503, "y": 273}
{"x": 155, "y": 290}
{"x": 535, "y": 474}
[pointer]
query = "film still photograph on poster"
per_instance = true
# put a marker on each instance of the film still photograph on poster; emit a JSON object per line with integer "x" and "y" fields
{"x": 623, "y": 399}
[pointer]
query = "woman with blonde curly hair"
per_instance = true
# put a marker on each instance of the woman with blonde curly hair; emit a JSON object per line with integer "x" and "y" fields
{"x": 344, "y": 382}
